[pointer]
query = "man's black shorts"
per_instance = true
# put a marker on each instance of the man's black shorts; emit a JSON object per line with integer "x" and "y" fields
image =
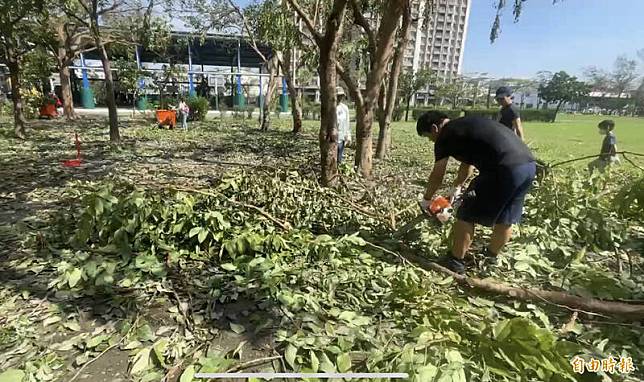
{"x": 498, "y": 195}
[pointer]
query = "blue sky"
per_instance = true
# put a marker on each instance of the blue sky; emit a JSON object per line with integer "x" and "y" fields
{"x": 569, "y": 35}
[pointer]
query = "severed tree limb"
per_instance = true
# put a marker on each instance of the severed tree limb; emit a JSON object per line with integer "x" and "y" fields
{"x": 619, "y": 310}
{"x": 282, "y": 224}
{"x": 591, "y": 157}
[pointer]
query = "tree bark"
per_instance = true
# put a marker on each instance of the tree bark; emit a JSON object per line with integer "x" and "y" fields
{"x": 328, "y": 135}
{"x": 619, "y": 310}
{"x": 66, "y": 90}
{"x": 384, "y": 136}
{"x": 365, "y": 105}
{"x": 270, "y": 93}
{"x": 557, "y": 109}
{"x": 296, "y": 104}
{"x": 381, "y": 115}
{"x": 109, "y": 92}
{"x": 328, "y": 44}
{"x": 18, "y": 114}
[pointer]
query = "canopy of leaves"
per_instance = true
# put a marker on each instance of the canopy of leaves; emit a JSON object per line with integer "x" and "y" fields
{"x": 410, "y": 83}
{"x": 563, "y": 87}
{"x": 272, "y": 23}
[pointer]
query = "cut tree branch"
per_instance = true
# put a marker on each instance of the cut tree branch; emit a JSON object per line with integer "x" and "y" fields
{"x": 615, "y": 309}
{"x": 591, "y": 157}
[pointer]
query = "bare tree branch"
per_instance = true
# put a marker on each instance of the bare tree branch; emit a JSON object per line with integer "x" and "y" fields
{"x": 253, "y": 42}
{"x": 364, "y": 23}
{"x": 316, "y": 35}
{"x": 352, "y": 84}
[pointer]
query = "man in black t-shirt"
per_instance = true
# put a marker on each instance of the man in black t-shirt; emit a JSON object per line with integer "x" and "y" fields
{"x": 509, "y": 115}
{"x": 495, "y": 197}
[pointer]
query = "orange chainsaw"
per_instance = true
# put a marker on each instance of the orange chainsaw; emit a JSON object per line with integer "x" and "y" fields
{"x": 440, "y": 208}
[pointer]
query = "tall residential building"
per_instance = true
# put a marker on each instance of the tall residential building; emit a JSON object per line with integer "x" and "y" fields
{"x": 437, "y": 37}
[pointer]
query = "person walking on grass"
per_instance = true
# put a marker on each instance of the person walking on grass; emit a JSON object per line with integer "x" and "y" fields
{"x": 495, "y": 197}
{"x": 608, "y": 151}
{"x": 184, "y": 110}
{"x": 509, "y": 115}
{"x": 344, "y": 127}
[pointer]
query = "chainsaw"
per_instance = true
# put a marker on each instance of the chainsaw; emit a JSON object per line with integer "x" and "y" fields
{"x": 440, "y": 209}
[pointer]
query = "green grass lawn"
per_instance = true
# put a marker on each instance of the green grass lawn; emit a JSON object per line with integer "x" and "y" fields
{"x": 571, "y": 136}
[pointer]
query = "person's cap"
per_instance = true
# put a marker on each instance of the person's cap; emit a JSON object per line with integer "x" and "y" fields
{"x": 503, "y": 91}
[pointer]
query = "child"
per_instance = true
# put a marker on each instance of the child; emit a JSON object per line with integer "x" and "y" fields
{"x": 184, "y": 110}
{"x": 344, "y": 127}
{"x": 608, "y": 153}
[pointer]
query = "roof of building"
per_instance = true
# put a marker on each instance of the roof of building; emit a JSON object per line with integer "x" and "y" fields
{"x": 213, "y": 49}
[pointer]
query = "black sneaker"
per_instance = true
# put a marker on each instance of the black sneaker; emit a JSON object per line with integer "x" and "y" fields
{"x": 452, "y": 263}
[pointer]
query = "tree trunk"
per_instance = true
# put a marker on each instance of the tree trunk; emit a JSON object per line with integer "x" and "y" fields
{"x": 296, "y": 105}
{"x": 270, "y": 93}
{"x": 382, "y": 122}
{"x": 18, "y": 115}
{"x": 382, "y": 52}
{"x": 407, "y": 109}
{"x": 66, "y": 90}
{"x": 109, "y": 90}
{"x": 364, "y": 148}
{"x": 384, "y": 136}
{"x": 557, "y": 109}
{"x": 328, "y": 118}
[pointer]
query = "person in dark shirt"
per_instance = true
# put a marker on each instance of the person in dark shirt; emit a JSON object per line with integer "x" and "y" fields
{"x": 509, "y": 115}
{"x": 495, "y": 197}
{"x": 608, "y": 151}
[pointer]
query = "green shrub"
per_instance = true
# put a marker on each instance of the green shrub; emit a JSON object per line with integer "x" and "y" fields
{"x": 486, "y": 113}
{"x": 311, "y": 111}
{"x": 526, "y": 115}
{"x": 538, "y": 115}
{"x": 198, "y": 108}
{"x": 417, "y": 112}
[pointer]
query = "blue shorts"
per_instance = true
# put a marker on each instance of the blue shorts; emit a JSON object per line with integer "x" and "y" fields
{"x": 498, "y": 196}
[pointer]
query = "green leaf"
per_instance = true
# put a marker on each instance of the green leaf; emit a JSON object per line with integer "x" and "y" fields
{"x": 188, "y": 375}
{"x": 344, "y": 362}
{"x": 315, "y": 362}
{"x": 239, "y": 329}
{"x": 51, "y": 320}
{"x": 159, "y": 349}
{"x": 12, "y": 375}
{"x": 347, "y": 316}
{"x": 141, "y": 361}
{"x": 326, "y": 365}
{"x": 152, "y": 376}
{"x": 74, "y": 277}
{"x": 194, "y": 231}
{"x": 132, "y": 345}
{"x": 228, "y": 267}
{"x": 72, "y": 325}
{"x": 203, "y": 234}
{"x": 97, "y": 340}
{"x": 145, "y": 333}
{"x": 289, "y": 355}
{"x": 427, "y": 373}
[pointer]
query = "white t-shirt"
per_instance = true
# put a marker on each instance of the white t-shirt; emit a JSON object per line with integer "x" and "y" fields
{"x": 344, "y": 125}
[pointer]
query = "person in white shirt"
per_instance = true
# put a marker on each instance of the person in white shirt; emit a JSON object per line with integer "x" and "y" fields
{"x": 344, "y": 126}
{"x": 184, "y": 110}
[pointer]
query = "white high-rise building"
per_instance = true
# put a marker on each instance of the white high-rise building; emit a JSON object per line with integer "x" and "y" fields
{"x": 437, "y": 37}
